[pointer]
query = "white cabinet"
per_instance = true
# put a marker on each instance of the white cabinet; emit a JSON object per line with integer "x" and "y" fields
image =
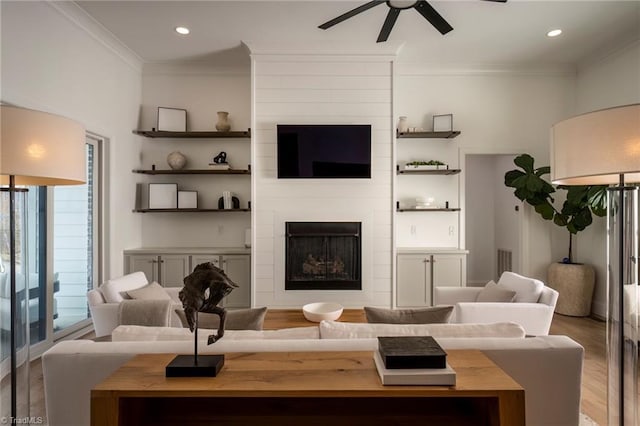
{"x": 414, "y": 280}
{"x": 167, "y": 269}
{"x": 419, "y": 272}
{"x": 238, "y": 269}
{"x": 169, "y": 266}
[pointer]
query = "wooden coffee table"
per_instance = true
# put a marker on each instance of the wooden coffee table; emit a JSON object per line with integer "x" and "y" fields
{"x": 304, "y": 388}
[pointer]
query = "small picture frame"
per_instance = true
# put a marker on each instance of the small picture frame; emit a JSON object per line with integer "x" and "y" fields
{"x": 443, "y": 123}
{"x": 172, "y": 119}
{"x": 163, "y": 195}
{"x": 187, "y": 199}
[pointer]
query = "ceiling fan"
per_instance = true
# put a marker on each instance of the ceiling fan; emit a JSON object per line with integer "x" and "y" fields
{"x": 395, "y": 6}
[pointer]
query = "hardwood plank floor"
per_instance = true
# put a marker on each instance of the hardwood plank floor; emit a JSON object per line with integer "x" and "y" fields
{"x": 590, "y": 333}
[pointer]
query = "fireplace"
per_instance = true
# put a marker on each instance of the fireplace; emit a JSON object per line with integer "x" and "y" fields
{"x": 323, "y": 256}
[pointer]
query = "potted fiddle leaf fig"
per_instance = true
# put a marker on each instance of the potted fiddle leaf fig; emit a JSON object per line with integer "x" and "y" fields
{"x": 574, "y": 281}
{"x": 577, "y": 211}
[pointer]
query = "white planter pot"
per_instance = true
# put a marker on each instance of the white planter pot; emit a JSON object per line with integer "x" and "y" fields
{"x": 424, "y": 167}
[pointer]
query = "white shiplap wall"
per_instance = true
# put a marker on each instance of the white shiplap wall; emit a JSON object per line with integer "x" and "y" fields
{"x": 322, "y": 89}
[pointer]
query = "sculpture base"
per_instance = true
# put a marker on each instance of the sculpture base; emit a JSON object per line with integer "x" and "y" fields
{"x": 184, "y": 366}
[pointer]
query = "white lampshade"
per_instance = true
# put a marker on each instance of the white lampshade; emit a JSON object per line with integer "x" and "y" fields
{"x": 597, "y": 147}
{"x": 39, "y": 148}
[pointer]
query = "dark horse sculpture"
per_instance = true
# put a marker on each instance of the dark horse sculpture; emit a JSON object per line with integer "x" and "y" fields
{"x": 203, "y": 289}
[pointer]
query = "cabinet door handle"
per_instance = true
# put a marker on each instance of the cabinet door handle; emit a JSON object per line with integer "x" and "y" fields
{"x": 153, "y": 261}
{"x": 224, "y": 263}
{"x": 161, "y": 261}
{"x": 426, "y": 261}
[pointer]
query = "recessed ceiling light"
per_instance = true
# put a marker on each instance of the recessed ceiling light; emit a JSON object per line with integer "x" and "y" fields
{"x": 554, "y": 33}
{"x": 182, "y": 30}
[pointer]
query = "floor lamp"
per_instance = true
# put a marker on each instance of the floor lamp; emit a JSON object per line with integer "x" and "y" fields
{"x": 36, "y": 149}
{"x": 603, "y": 148}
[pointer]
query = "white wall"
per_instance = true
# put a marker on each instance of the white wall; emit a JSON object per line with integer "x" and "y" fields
{"x": 202, "y": 90}
{"x": 322, "y": 89}
{"x": 493, "y": 216}
{"x": 498, "y": 111}
{"x": 509, "y": 214}
{"x": 479, "y": 216}
{"x": 604, "y": 82}
{"x": 54, "y": 59}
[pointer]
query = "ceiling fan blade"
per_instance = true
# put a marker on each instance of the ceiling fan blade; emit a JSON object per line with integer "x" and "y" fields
{"x": 350, "y": 14}
{"x": 388, "y": 24}
{"x": 498, "y": 1}
{"x": 434, "y": 17}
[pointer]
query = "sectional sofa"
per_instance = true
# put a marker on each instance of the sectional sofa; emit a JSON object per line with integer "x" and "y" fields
{"x": 548, "y": 367}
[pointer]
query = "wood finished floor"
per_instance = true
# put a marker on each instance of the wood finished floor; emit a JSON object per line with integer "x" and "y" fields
{"x": 588, "y": 332}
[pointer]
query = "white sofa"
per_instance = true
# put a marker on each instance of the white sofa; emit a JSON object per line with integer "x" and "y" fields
{"x": 539, "y": 364}
{"x": 534, "y": 309}
{"x": 105, "y": 301}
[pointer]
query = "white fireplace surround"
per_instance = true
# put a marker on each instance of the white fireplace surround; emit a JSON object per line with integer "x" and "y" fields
{"x": 322, "y": 84}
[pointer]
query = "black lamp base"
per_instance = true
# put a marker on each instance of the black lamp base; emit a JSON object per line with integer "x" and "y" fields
{"x": 184, "y": 366}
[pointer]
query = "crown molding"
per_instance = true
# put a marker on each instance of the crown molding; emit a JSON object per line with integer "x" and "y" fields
{"x": 324, "y": 50}
{"x": 603, "y": 56}
{"x": 98, "y": 32}
{"x": 433, "y": 69}
{"x": 194, "y": 68}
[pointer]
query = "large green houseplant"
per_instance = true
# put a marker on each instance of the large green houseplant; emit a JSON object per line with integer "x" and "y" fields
{"x": 577, "y": 211}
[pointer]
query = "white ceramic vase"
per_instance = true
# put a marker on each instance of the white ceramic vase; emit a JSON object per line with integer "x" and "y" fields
{"x": 403, "y": 125}
{"x": 176, "y": 160}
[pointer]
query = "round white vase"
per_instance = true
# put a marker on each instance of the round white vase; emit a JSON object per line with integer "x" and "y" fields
{"x": 176, "y": 160}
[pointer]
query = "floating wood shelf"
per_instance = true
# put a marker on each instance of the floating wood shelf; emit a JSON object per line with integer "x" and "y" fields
{"x": 203, "y": 134}
{"x": 431, "y": 135}
{"x": 190, "y": 210}
{"x": 413, "y": 209}
{"x": 193, "y": 172}
{"x": 430, "y": 172}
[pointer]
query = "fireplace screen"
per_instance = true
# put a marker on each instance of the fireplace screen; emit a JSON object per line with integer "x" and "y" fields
{"x": 323, "y": 256}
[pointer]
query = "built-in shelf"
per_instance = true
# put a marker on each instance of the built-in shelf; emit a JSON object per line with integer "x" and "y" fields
{"x": 413, "y": 209}
{"x": 430, "y": 172}
{"x": 193, "y": 172}
{"x": 431, "y": 135}
{"x": 190, "y": 210}
{"x": 202, "y": 134}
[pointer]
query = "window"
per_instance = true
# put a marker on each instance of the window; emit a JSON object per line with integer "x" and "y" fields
{"x": 76, "y": 244}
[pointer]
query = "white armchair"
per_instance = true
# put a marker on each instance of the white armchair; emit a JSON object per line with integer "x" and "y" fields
{"x": 104, "y": 301}
{"x": 532, "y": 308}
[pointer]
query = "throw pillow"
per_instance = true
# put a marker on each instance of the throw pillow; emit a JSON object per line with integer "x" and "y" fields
{"x": 433, "y": 315}
{"x": 153, "y": 291}
{"x": 239, "y": 319}
{"x": 352, "y": 330}
{"x": 492, "y": 292}
{"x": 115, "y": 290}
{"x": 528, "y": 290}
{"x": 136, "y": 333}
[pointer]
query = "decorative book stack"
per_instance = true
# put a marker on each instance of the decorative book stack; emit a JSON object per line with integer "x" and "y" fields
{"x": 412, "y": 360}
{"x": 219, "y": 166}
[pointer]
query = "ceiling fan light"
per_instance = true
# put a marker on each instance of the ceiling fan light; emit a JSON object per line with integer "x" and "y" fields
{"x": 401, "y": 4}
{"x": 182, "y": 30}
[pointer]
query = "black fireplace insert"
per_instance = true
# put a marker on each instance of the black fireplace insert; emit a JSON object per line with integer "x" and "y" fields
{"x": 323, "y": 256}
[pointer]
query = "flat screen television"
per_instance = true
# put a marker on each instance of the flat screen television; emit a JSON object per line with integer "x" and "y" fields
{"x": 324, "y": 151}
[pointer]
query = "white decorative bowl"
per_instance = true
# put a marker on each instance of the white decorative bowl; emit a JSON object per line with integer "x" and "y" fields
{"x": 317, "y": 312}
